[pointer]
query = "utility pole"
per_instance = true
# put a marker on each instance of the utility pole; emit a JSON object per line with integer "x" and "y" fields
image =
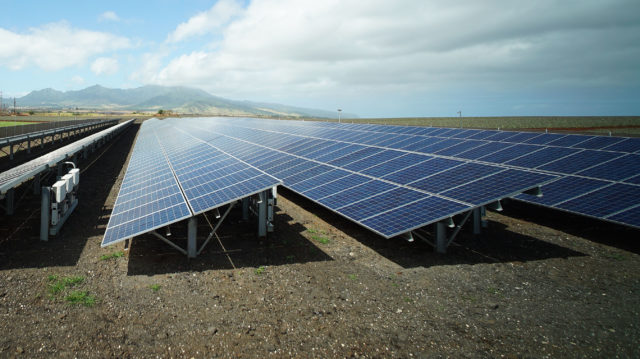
{"x": 460, "y": 115}
{"x": 339, "y": 111}
{"x": 14, "y": 106}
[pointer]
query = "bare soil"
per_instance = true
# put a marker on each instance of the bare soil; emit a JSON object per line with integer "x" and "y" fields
{"x": 536, "y": 283}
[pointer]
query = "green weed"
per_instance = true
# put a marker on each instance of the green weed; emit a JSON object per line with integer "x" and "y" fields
{"x": 353, "y": 276}
{"x": 155, "y": 287}
{"x": 81, "y": 297}
{"x": 113, "y": 255}
{"x": 260, "y": 270}
{"x": 320, "y": 239}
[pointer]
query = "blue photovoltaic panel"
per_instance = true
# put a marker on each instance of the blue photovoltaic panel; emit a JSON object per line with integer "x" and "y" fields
{"x": 616, "y": 170}
{"x": 630, "y": 145}
{"x": 149, "y": 196}
{"x": 579, "y": 161}
{"x": 495, "y": 186}
{"x": 481, "y": 151}
{"x": 462, "y": 173}
{"x": 627, "y": 216}
{"x": 569, "y": 141}
{"x": 510, "y": 153}
{"x": 413, "y": 215}
{"x": 352, "y": 167}
{"x": 381, "y": 203}
{"x": 563, "y": 189}
{"x": 604, "y": 202}
{"x": 173, "y": 175}
{"x": 600, "y": 142}
{"x": 421, "y": 170}
{"x": 542, "y": 157}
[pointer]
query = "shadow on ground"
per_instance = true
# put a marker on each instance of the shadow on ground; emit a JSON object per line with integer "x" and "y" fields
{"x": 496, "y": 244}
{"x": 236, "y": 247}
{"x": 20, "y": 245}
{"x": 598, "y": 231}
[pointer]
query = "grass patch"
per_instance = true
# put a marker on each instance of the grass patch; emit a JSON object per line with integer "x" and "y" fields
{"x": 60, "y": 284}
{"x": 353, "y": 276}
{"x": 155, "y": 287}
{"x": 408, "y": 300}
{"x": 113, "y": 255}
{"x": 80, "y": 297}
{"x": 260, "y": 270}
{"x": 320, "y": 239}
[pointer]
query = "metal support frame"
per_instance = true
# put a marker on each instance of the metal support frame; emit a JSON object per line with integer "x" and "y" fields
{"x": 44, "y": 213}
{"x": 175, "y": 246}
{"x": 215, "y": 228}
{"x": 262, "y": 214}
{"x": 192, "y": 249}
{"x": 245, "y": 209}
{"x": 442, "y": 241}
{"x": 9, "y": 201}
{"x": 192, "y": 233}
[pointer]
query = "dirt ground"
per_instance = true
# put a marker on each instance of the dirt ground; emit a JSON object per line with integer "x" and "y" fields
{"x": 537, "y": 283}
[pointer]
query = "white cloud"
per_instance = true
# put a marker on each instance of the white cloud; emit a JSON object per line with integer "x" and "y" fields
{"x": 351, "y": 47}
{"x": 202, "y": 23}
{"x": 109, "y": 16}
{"x": 77, "y": 80}
{"x": 104, "y": 66}
{"x": 55, "y": 46}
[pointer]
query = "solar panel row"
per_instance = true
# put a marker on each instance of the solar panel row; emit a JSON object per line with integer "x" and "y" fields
{"x": 389, "y": 191}
{"x": 19, "y": 174}
{"x": 172, "y": 176}
{"x": 603, "y": 160}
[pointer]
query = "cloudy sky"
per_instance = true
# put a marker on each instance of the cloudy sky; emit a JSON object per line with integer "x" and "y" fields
{"x": 375, "y": 58}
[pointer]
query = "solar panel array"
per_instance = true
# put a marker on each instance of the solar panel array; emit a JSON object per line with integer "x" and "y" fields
{"x": 173, "y": 175}
{"x": 597, "y": 176}
{"x": 356, "y": 174}
{"x": 19, "y": 174}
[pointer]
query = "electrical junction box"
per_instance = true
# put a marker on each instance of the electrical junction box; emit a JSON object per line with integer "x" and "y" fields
{"x": 68, "y": 179}
{"x": 59, "y": 191}
{"x": 75, "y": 172}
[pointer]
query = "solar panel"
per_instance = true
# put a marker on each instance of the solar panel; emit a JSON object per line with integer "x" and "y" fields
{"x": 584, "y": 163}
{"x": 173, "y": 175}
{"x": 363, "y": 174}
{"x": 16, "y": 176}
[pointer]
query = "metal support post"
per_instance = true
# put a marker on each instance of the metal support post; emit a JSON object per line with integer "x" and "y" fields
{"x": 262, "y": 214}
{"x": 28, "y": 144}
{"x": 476, "y": 220}
{"x": 245, "y": 209}
{"x": 9, "y": 197}
{"x": 192, "y": 232}
{"x": 441, "y": 238}
{"x": 36, "y": 184}
{"x": 44, "y": 214}
{"x": 10, "y": 151}
{"x": 60, "y": 169}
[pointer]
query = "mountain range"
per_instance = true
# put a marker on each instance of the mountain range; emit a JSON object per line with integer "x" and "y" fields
{"x": 182, "y": 100}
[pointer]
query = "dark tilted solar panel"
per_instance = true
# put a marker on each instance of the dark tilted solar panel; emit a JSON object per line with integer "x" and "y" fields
{"x": 149, "y": 196}
{"x": 173, "y": 175}
{"x": 584, "y": 162}
{"x": 332, "y": 167}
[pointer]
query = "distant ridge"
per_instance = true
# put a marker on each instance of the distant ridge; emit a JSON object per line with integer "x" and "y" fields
{"x": 152, "y": 98}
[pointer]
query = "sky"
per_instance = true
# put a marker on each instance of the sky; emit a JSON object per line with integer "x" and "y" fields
{"x": 374, "y": 58}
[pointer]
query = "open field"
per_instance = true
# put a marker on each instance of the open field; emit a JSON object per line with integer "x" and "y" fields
{"x": 603, "y": 124}
{"x": 4, "y": 123}
{"x": 536, "y": 283}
